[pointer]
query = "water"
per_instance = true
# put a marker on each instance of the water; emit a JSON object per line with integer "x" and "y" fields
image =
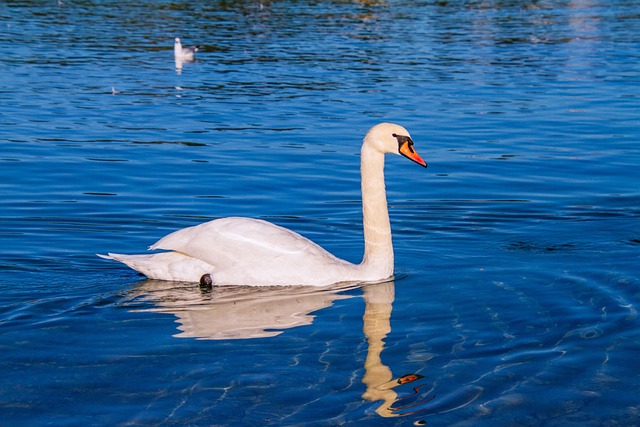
{"x": 517, "y": 251}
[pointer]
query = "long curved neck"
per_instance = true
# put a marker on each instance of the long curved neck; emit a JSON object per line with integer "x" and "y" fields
{"x": 378, "y": 247}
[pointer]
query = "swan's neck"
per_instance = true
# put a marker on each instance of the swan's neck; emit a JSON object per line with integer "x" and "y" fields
{"x": 378, "y": 248}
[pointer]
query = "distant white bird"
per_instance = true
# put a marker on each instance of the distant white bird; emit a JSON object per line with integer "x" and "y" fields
{"x": 183, "y": 53}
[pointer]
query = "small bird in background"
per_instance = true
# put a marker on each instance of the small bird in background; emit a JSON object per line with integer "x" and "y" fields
{"x": 183, "y": 53}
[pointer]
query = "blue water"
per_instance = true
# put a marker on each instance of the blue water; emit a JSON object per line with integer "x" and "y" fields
{"x": 517, "y": 251}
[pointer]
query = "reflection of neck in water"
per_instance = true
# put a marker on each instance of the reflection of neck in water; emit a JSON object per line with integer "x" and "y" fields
{"x": 377, "y": 324}
{"x": 378, "y": 377}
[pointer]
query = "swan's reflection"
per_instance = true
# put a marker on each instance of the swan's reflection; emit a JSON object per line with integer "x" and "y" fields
{"x": 234, "y": 312}
{"x": 237, "y": 312}
{"x": 378, "y": 377}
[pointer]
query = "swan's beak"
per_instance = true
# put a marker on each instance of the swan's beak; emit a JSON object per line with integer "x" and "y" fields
{"x": 406, "y": 149}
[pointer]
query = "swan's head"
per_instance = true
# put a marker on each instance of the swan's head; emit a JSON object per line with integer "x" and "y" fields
{"x": 392, "y": 138}
{"x": 177, "y": 40}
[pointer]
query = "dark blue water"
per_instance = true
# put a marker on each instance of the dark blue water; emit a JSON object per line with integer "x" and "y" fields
{"x": 517, "y": 251}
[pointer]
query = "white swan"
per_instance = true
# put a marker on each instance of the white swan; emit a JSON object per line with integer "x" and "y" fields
{"x": 245, "y": 251}
{"x": 183, "y": 53}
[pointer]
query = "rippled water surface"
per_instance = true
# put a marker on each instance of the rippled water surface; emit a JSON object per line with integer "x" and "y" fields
{"x": 517, "y": 251}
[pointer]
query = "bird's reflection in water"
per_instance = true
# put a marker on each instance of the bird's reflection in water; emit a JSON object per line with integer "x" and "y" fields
{"x": 378, "y": 378}
{"x": 234, "y": 312}
{"x": 222, "y": 313}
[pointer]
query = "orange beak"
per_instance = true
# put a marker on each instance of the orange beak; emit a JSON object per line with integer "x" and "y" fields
{"x": 406, "y": 149}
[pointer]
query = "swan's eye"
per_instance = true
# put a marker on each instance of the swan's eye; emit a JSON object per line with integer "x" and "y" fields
{"x": 402, "y": 139}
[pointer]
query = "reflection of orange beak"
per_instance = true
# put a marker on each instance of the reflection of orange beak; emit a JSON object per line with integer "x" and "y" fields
{"x": 409, "y": 378}
{"x": 406, "y": 149}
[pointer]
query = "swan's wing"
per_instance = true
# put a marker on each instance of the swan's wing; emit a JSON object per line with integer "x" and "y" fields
{"x": 165, "y": 265}
{"x": 251, "y": 251}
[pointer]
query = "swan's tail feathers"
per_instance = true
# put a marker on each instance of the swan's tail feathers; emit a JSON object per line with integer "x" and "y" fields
{"x": 165, "y": 265}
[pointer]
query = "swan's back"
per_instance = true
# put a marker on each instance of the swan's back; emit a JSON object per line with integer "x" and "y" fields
{"x": 252, "y": 251}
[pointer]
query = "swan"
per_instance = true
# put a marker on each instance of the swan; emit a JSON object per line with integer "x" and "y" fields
{"x": 246, "y": 251}
{"x": 183, "y": 53}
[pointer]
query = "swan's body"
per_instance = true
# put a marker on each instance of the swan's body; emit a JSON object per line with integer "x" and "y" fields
{"x": 183, "y": 53}
{"x": 245, "y": 251}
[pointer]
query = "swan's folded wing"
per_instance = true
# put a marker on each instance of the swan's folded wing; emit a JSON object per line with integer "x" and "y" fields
{"x": 252, "y": 251}
{"x": 165, "y": 265}
{"x": 229, "y": 240}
